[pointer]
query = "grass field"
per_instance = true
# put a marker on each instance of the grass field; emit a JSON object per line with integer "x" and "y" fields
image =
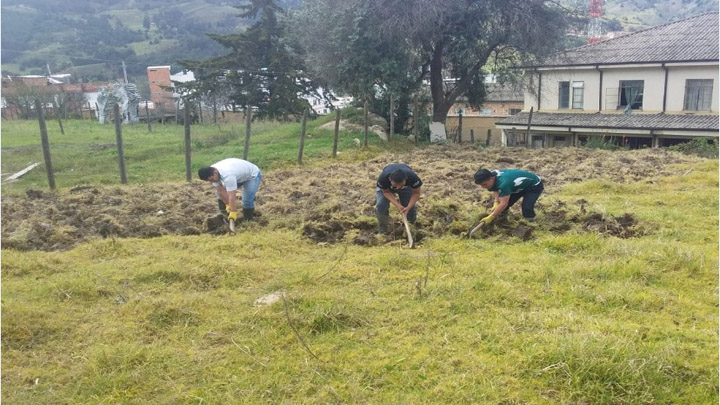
{"x": 571, "y": 318}
{"x": 87, "y": 153}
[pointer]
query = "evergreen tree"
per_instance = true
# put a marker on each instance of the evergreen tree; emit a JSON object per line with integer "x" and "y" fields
{"x": 263, "y": 69}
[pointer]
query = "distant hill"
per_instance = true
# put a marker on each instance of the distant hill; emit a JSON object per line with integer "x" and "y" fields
{"x": 639, "y": 14}
{"x": 89, "y": 38}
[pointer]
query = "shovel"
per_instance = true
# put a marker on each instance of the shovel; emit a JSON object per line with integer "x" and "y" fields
{"x": 407, "y": 230}
{"x": 231, "y": 225}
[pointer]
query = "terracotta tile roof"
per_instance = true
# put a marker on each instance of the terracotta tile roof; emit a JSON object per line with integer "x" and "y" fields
{"x": 701, "y": 122}
{"x": 509, "y": 92}
{"x": 691, "y": 39}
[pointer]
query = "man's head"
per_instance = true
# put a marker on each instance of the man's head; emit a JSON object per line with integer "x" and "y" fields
{"x": 485, "y": 178}
{"x": 209, "y": 173}
{"x": 398, "y": 178}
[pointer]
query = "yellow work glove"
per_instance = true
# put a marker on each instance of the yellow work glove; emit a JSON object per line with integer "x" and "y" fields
{"x": 227, "y": 208}
{"x": 495, "y": 204}
{"x": 488, "y": 219}
{"x": 232, "y": 215}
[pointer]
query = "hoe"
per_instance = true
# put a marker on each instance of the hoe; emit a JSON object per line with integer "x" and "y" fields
{"x": 407, "y": 230}
{"x": 474, "y": 229}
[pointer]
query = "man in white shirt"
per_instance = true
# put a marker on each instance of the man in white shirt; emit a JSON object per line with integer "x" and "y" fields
{"x": 227, "y": 176}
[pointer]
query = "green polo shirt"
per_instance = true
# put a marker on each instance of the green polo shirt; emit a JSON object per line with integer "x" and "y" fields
{"x": 513, "y": 181}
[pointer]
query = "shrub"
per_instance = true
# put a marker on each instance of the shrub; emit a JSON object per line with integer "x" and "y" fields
{"x": 703, "y": 147}
{"x": 599, "y": 142}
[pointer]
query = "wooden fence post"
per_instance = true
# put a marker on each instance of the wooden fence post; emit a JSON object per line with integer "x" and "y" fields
{"x": 392, "y": 116}
{"x": 416, "y": 119}
{"x": 302, "y": 136}
{"x": 56, "y": 110}
{"x": 460, "y": 128}
{"x": 472, "y": 136}
{"x": 188, "y": 174}
{"x": 147, "y": 116}
{"x": 366, "y": 122}
{"x": 337, "y": 131}
{"x": 487, "y": 140}
{"x": 214, "y": 109}
{"x": 527, "y": 134}
{"x": 119, "y": 141}
{"x": 45, "y": 144}
{"x": 248, "y": 121}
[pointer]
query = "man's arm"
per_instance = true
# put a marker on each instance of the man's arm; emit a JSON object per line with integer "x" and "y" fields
{"x": 222, "y": 193}
{"x": 413, "y": 199}
{"x": 232, "y": 196}
{"x": 502, "y": 203}
{"x": 391, "y": 197}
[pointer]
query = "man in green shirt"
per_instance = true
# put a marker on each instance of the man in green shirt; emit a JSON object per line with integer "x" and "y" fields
{"x": 508, "y": 186}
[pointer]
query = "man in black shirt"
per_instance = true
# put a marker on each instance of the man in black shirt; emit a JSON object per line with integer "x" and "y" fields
{"x": 401, "y": 180}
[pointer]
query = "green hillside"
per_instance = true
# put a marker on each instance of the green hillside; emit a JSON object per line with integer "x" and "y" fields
{"x": 66, "y": 35}
{"x": 638, "y": 14}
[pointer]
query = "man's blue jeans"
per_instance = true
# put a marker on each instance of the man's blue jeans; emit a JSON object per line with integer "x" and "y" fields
{"x": 382, "y": 206}
{"x": 249, "y": 189}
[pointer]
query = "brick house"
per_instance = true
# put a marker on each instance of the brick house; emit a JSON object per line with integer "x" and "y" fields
{"x": 161, "y": 93}
{"x": 501, "y": 101}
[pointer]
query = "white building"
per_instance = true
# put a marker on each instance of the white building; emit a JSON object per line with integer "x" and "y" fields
{"x": 654, "y": 87}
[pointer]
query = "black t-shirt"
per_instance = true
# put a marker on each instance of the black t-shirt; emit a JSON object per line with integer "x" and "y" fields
{"x": 412, "y": 181}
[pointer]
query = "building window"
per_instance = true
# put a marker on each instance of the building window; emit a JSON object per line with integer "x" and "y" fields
{"x": 698, "y": 94}
{"x": 486, "y": 111}
{"x": 514, "y": 111}
{"x": 459, "y": 111}
{"x": 631, "y": 94}
{"x": 577, "y": 95}
{"x": 564, "y": 95}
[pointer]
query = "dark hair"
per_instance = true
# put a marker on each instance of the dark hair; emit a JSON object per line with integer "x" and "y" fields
{"x": 398, "y": 176}
{"x": 482, "y": 175}
{"x": 205, "y": 172}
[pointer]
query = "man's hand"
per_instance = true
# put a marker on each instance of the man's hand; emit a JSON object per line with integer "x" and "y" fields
{"x": 403, "y": 210}
{"x": 227, "y": 208}
{"x": 488, "y": 219}
{"x": 233, "y": 215}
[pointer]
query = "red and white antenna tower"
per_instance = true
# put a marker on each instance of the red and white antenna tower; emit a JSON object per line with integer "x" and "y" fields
{"x": 595, "y": 25}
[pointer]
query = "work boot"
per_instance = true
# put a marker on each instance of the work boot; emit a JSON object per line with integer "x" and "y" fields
{"x": 248, "y": 214}
{"x": 383, "y": 220}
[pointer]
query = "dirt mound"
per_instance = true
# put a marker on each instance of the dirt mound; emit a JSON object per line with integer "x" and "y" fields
{"x": 336, "y": 201}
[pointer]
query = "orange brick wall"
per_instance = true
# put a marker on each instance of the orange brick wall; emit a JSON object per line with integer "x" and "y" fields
{"x": 159, "y": 77}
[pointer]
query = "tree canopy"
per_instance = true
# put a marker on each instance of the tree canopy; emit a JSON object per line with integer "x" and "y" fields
{"x": 398, "y": 44}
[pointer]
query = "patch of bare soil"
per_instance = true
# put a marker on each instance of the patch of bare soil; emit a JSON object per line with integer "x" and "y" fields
{"x": 330, "y": 203}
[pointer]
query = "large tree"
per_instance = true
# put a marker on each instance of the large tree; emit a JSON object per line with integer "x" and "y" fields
{"x": 263, "y": 68}
{"x": 402, "y": 42}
